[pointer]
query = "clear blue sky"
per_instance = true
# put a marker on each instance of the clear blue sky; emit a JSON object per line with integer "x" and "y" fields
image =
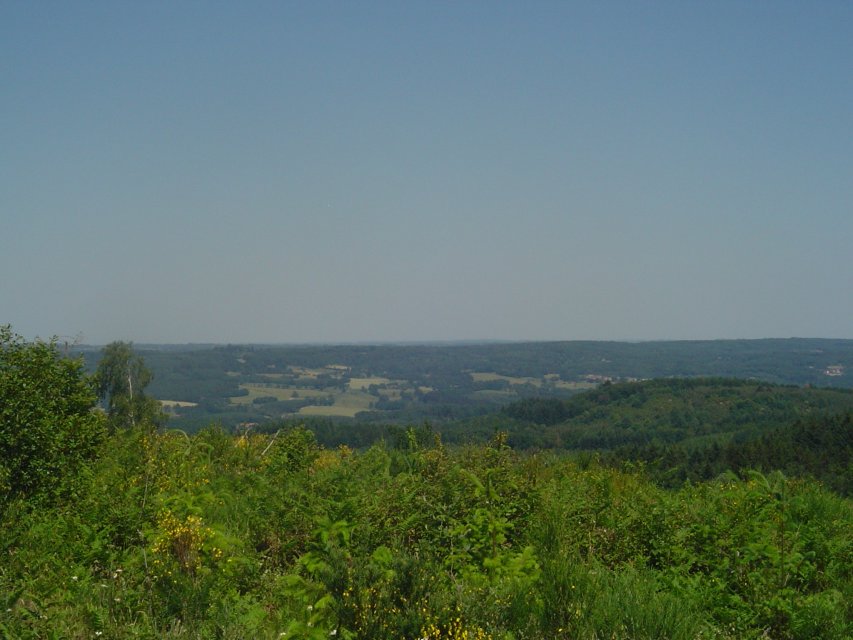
{"x": 360, "y": 171}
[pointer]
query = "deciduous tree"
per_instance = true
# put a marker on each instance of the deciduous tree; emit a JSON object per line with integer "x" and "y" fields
{"x": 49, "y": 426}
{"x": 121, "y": 379}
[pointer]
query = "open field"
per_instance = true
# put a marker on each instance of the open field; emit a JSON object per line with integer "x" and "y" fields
{"x": 346, "y": 405}
{"x": 279, "y": 393}
{"x": 490, "y": 376}
{"x": 335, "y": 370}
{"x": 364, "y": 383}
{"x": 574, "y": 386}
{"x": 552, "y": 379}
{"x": 166, "y": 404}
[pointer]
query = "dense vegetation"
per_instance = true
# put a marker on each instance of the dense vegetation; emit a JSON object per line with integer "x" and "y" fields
{"x": 217, "y": 536}
{"x": 440, "y": 383}
{"x": 160, "y": 534}
{"x": 47, "y": 428}
{"x": 820, "y": 447}
{"x": 690, "y": 411}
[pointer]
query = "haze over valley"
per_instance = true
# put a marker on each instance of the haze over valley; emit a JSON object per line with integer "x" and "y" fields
{"x": 426, "y": 320}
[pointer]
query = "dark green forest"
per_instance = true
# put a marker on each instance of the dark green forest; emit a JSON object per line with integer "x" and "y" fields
{"x": 820, "y": 448}
{"x": 690, "y": 411}
{"x": 717, "y": 521}
{"x": 449, "y": 382}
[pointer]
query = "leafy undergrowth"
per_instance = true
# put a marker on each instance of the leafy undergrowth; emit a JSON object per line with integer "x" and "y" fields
{"x": 216, "y": 536}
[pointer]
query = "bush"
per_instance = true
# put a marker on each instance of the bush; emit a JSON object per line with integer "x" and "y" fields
{"x": 49, "y": 428}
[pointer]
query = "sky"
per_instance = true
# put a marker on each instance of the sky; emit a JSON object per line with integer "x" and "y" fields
{"x": 241, "y": 172}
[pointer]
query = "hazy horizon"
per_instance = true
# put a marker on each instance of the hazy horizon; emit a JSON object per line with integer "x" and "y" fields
{"x": 331, "y": 173}
{"x": 71, "y": 344}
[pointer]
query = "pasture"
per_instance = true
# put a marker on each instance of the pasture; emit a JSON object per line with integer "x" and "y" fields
{"x": 275, "y": 391}
{"x": 346, "y": 405}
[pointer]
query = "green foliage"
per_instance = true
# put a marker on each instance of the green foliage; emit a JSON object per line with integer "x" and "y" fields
{"x": 548, "y": 411}
{"x": 694, "y": 412}
{"x": 121, "y": 378}
{"x": 291, "y": 451}
{"x": 820, "y": 447}
{"x": 272, "y": 536}
{"x": 49, "y": 430}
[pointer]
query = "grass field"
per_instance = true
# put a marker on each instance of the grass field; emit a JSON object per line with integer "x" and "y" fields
{"x": 489, "y": 376}
{"x": 346, "y": 405}
{"x": 354, "y": 398}
{"x": 279, "y": 393}
{"x": 177, "y": 403}
{"x": 562, "y": 384}
{"x": 336, "y": 370}
{"x": 363, "y": 383}
{"x": 552, "y": 378}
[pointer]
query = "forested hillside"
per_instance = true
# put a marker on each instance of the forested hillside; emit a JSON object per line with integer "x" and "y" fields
{"x": 820, "y": 447}
{"x": 446, "y": 382}
{"x": 132, "y": 531}
{"x": 694, "y": 412}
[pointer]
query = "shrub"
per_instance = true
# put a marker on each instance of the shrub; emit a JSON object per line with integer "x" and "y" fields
{"x": 49, "y": 428}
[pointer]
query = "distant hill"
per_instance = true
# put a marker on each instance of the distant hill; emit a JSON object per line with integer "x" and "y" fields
{"x": 690, "y": 411}
{"x": 234, "y": 384}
